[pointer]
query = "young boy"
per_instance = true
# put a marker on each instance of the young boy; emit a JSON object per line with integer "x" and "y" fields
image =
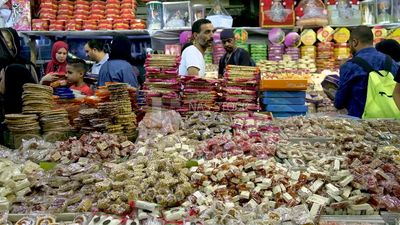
{"x": 76, "y": 69}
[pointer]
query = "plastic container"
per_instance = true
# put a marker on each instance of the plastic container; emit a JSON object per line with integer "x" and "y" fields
{"x": 199, "y": 12}
{"x": 384, "y": 11}
{"x": 368, "y": 12}
{"x": 177, "y": 15}
{"x": 396, "y": 11}
{"x": 154, "y": 15}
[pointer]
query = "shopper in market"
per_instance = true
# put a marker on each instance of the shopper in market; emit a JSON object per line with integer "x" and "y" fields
{"x": 117, "y": 68}
{"x": 15, "y": 71}
{"x": 233, "y": 55}
{"x": 57, "y": 64}
{"x": 391, "y": 48}
{"x": 192, "y": 59}
{"x": 353, "y": 83}
{"x": 76, "y": 70}
{"x": 95, "y": 51}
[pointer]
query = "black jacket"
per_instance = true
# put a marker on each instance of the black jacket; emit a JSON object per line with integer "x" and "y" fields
{"x": 239, "y": 57}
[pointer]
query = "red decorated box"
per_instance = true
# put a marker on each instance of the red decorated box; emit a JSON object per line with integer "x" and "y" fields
{"x": 273, "y": 18}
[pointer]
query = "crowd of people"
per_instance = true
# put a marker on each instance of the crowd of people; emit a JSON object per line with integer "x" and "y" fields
{"x": 192, "y": 58}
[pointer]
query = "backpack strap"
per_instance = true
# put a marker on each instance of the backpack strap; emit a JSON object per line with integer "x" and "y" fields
{"x": 366, "y": 66}
{"x": 388, "y": 63}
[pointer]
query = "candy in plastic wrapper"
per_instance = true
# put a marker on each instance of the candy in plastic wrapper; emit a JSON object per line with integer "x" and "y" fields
{"x": 26, "y": 221}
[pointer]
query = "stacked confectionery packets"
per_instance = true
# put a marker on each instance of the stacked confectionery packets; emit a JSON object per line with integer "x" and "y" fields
{"x": 162, "y": 85}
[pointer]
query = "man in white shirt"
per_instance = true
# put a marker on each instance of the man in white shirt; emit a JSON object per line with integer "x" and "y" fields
{"x": 192, "y": 59}
{"x": 95, "y": 51}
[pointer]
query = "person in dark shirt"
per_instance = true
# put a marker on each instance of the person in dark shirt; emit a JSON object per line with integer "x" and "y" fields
{"x": 390, "y": 47}
{"x": 15, "y": 71}
{"x": 118, "y": 67}
{"x": 353, "y": 82}
{"x": 233, "y": 55}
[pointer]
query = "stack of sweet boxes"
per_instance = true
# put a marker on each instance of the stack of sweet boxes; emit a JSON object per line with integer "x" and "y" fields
{"x": 285, "y": 103}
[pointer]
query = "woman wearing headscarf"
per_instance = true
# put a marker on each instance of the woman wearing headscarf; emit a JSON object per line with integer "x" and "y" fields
{"x": 390, "y": 47}
{"x": 58, "y": 62}
{"x": 14, "y": 71}
{"x": 118, "y": 68}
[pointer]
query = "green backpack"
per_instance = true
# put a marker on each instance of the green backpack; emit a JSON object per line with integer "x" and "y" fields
{"x": 379, "y": 103}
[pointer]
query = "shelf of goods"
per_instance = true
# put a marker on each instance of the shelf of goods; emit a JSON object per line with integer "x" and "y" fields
{"x": 209, "y": 168}
{"x": 84, "y": 33}
{"x": 160, "y": 38}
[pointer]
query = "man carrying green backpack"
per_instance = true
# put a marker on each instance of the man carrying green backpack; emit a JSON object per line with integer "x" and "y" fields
{"x": 366, "y": 82}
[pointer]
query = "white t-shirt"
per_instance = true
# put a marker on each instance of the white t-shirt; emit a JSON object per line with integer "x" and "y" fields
{"x": 192, "y": 57}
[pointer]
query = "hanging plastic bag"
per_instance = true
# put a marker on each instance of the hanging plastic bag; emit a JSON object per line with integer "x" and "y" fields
{"x": 311, "y": 13}
{"x": 278, "y": 13}
{"x": 219, "y": 17}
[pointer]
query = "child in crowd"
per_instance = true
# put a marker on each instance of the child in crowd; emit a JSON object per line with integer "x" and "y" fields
{"x": 76, "y": 70}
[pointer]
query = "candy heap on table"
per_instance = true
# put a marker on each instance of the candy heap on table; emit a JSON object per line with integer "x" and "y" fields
{"x": 162, "y": 84}
{"x": 259, "y": 169}
{"x": 112, "y": 114}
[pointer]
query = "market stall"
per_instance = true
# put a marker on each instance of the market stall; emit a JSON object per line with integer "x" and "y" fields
{"x": 258, "y": 145}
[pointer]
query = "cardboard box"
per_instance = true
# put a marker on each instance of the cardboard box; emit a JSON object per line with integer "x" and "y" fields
{"x": 283, "y": 85}
{"x": 270, "y": 19}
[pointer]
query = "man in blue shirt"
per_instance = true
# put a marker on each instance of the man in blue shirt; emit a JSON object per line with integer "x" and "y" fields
{"x": 353, "y": 83}
{"x": 95, "y": 51}
{"x": 118, "y": 67}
